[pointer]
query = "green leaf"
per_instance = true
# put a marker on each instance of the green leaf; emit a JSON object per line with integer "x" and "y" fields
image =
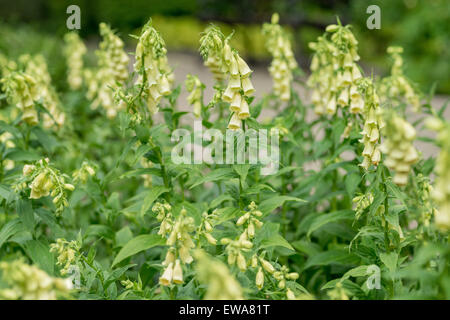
{"x": 351, "y": 183}
{"x": 215, "y": 175}
{"x": 323, "y": 219}
{"x": 26, "y": 214}
{"x": 10, "y": 229}
{"x": 217, "y": 201}
{"x": 141, "y": 171}
{"x": 22, "y": 155}
{"x": 6, "y": 193}
{"x": 276, "y": 240}
{"x": 153, "y": 194}
{"x": 389, "y": 260}
{"x": 267, "y": 206}
{"x": 242, "y": 170}
{"x": 330, "y": 257}
{"x": 138, "y": 244}
{"x": 40, "y": 254}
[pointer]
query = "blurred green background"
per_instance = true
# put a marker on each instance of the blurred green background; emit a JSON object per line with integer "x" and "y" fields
{"x": 420, "y": 26}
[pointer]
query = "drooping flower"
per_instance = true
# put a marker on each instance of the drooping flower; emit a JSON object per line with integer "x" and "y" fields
{"x": 154, "y": 74}
{"x": 398, "y": 147}
{"x": 221, "y": 285}
{"x": 334, "y": 71}
{"x": 36, "y": 67}
{"x": 21, "y": 90}
{"x": 396, "y": 87}
{"x": 28, "y": 282}
{"x": 283, "y": 63}
{"x": 373, "y": 123}
{"x": 195, "y": 88}
{"x": 112, "y": 71}
{"x": 74, "y": 50}
{"x": 441, "y": 190}
{"x": 239, "y": 86}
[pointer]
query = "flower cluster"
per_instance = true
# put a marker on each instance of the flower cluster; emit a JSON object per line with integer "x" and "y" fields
{"x": 398, "y": 147}
{"x": 46, "y": 180}
{"x": 67, "y": 251}
{"x": 82, "y": 174}
{"x": 373, "y": 123}
{"x": 112, "y": 70}
{"x": 74, "y": 51}
{"x": 195, "y": 89}
{"x": 21, "y": 90}
{"x": 334, "y": 71}
{"x": 221, "y": 285}
{"x": 396, "y": 86}
{"x": 36, "y": 67}
{"x": 441, "y": 191}
{"x": 206, "y": 227}
{"x": 283, "y": 62}
{"x": 239, "y": 84}
{"x": 211, "y": 45}
{"x": 28, "y": 282}
{"x": 235, "y": 249}
{"x": 179, "y": 241}
{"x": 155, "y": 76}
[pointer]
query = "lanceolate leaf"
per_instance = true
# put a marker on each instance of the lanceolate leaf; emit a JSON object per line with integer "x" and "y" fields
{"x": 138, "y": 244}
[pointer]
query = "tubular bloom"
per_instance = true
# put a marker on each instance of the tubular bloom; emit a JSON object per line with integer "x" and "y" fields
{"x": 373, "y": 123}
{"x": 28, "y": 282}
{"x": 112, "y": 71}
{"x": 239, "y": 85}
{"x": 398, "y": 147}
{"x": 82, "y": 174}
{"x": 195, "y": 89}
{"x": 283, "y": 62}
{"x": 46, "y": 180}
{"x": 397, "y": 86}
{"x": 74, "y": 51}
{"x": 235, "y": 248}
{"x": 206, "y": 227}
{"x": 441, "y": 190}
{"x": 221, "y": 285}
{"x": 36, "y": 67}
{"x": 179, "y": 240}
{"x": 155, "y": 76}
{"x": 334, "y": 71}
{"x": 66, "y": 251}
{"x": 21, "y": 90}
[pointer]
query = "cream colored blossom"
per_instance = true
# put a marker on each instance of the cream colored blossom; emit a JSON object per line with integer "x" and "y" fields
{"x": 154, "y": 73}
{"x": 21, "y": 90}
{"x": 334, "y": 71}
{"x": 28, "y": 282}
{"x": 195, "y": 89}
{"x": 112, "y": 70}
{"x": 74, "y": 50}
{"x": 67, "y": 253}
{"x": 221, "y": 285}
{"x": 373, "y": 123}
{"x": 441, "y": 190}
{"x": 398, "y": 147}
{"x": 283, "y": 63}
{"x": 36, "y": 67}
{"x": 396, "y": 87}
{"x": 239, "y": 86}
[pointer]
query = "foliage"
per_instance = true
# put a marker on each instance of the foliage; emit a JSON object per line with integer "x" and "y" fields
{"x": 352, "y": 212}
